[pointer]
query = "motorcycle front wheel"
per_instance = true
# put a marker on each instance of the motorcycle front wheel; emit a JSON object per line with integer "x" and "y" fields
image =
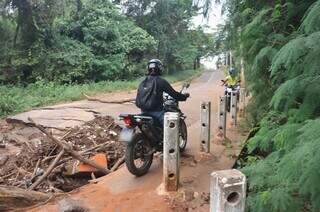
{"x": 139, "y": 155}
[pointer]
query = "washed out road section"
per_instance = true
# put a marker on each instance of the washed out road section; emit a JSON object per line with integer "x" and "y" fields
{"x": 76, "y": 113}
{"x": 121, "y": 191}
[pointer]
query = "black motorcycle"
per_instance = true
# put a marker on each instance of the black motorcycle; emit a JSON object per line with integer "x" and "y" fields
{"x": 143, "y": 137}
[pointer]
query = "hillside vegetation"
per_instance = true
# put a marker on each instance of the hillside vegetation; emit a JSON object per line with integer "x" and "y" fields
{"x": 279, "y": 43}
{"x": 53, "y": 51}
{"x": 16, "y": 99}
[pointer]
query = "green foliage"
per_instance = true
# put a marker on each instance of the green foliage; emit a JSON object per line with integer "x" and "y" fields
{"x": 297, "y": 57}
{"x": 264, "y": 139}
{"x": 279, "y": 43}
{"x": 6, "y": 32}
{"x": 70, "y": 61}
{"x": 87, "y": 42}
{"x": 311, "y": 22}
{"x": 297, "y": 63}
{"x": 288, "y": 178}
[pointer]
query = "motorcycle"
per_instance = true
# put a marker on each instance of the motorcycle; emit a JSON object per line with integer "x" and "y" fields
{"x": 143, "y": 138}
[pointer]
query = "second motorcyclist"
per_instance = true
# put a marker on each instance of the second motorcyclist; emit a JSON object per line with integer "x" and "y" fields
{"x": 232, "y": 80}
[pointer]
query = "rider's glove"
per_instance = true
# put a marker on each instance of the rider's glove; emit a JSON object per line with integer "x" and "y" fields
{"x": 187, "y": 95}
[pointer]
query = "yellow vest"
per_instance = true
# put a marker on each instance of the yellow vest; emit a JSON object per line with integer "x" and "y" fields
{"x": 231, "y": 81}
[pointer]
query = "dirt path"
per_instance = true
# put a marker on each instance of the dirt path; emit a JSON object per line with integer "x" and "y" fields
{"x": 121, "y": 191}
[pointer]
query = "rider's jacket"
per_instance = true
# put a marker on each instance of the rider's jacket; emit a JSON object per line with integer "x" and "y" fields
{"x": 162, "y": 86}
{"x": 231, "y": 81}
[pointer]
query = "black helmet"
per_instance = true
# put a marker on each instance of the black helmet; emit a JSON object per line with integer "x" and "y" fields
{"x": 155, "y": 67}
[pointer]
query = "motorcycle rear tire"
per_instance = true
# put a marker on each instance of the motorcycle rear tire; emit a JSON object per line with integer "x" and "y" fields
{"x": 130, "y": 156}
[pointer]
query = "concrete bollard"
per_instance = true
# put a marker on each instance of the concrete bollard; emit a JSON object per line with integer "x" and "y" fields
{"x": 205, "y": 117}
{"x": 222, "y": 115}
{"x": 171, "y": 153}
{"x": 234, "y": 107}
{"x": 227, "y": 191}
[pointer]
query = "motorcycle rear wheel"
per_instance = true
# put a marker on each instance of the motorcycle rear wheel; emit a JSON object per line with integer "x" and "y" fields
{"x": 139, "y": 150}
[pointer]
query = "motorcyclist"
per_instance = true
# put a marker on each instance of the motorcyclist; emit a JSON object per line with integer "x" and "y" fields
{"x": 150, "y": 92}
{"x": 232, "y": 80}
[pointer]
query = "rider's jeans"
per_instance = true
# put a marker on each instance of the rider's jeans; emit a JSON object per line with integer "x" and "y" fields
{"x": 158, "y": 116}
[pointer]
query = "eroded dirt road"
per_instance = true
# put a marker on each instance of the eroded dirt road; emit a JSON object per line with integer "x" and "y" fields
{"x": 121, "y": 191}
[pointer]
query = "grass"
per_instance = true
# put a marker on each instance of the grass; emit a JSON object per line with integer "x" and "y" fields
{"x": 14, "y": 99}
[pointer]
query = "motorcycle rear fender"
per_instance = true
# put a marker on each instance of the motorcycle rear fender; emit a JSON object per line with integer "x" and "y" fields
{"x": 126, "y": 135}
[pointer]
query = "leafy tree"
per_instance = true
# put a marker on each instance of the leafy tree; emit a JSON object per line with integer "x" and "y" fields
{"x": 169, "y": 22}
{"x": 115, "y": 41}
{"x": 86, "y": 41}
{"x": 278, "y": 42}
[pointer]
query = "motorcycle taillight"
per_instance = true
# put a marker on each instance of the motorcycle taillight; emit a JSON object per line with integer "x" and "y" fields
{"x": 128, "y": 121}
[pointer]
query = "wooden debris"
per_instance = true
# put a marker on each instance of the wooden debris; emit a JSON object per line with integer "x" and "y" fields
{"x": 69, "y": 150}
{"x": 25, "y": 167}
{"x": 20, "y": 140}
{"x": 51, "y": 167}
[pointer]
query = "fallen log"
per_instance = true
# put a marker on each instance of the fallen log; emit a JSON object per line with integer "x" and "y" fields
{"x": 68, "y": 149}
{"x": 13, "y": 198}
{"x": 110, "y": 102}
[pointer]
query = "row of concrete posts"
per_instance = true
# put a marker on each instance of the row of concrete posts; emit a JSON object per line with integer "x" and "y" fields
{"x": 227, "y": 187}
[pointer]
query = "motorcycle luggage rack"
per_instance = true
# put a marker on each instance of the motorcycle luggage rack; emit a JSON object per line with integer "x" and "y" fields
{"x": 145, "y": 118}
{"x": 137, "y": 117}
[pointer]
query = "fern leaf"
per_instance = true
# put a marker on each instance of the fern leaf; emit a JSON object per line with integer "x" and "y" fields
{"x": 311, "y": 22}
